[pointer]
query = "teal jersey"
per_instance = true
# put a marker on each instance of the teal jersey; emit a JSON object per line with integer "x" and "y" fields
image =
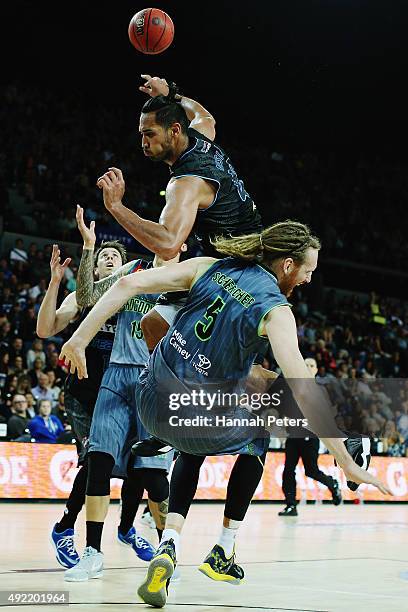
{"x": 129, "y": 347}
{"x": 215, "y": 336}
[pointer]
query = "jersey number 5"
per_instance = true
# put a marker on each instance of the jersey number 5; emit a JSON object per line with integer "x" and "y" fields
{"x": 204, "y": 329}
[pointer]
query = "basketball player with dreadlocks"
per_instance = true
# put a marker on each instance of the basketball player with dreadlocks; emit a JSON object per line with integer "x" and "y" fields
{"x": 242, "y": 298}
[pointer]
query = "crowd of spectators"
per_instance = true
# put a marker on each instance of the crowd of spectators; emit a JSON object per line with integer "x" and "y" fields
{"x": 31, "y": 374}
{"x": 55, "y": 147}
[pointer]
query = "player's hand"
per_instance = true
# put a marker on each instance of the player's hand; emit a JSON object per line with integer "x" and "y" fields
{"x": 355, "y": 473}
{"x": 58, "y": 268}
{"x": 73, "y": 354}
{"x": 113, "y": 187}
{"x": 87, "y": 233}
{"x": 154, "y": 86}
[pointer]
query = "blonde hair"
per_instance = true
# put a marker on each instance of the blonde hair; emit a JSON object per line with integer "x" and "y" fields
{"x": 284, "y": 239}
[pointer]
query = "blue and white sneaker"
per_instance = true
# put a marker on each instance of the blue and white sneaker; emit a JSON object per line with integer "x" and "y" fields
{"x": 90, "y": 566}
{"x": 64, "y": 547}
{"x": 142, "y": 548}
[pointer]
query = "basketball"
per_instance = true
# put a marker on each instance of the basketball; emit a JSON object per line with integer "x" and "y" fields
{"x": 151, "y": 31}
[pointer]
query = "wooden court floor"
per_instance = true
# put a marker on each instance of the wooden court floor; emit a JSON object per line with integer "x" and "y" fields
{"x": 350, "y": 558}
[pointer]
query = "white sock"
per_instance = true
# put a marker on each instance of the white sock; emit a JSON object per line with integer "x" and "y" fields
{"x": 227, "y": 538}
{"x": 172, "y": 534}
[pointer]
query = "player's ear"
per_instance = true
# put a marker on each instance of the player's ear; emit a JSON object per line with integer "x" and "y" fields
{"x": 288, "y": 265}
{"x": 176, "y": 129}
{"x": 96, "y": 273}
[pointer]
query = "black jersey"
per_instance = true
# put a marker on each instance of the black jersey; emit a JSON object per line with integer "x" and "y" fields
{"x": 233, "y": 212}
{"x": 97, "y": 354}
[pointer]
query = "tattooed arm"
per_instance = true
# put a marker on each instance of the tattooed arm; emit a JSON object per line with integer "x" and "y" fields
{"x": 88, "y": 291}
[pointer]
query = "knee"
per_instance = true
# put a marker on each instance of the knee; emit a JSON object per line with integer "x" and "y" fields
{"x": 154, "y": 328}
{"x": 157, "y": 485}
{"x": 100, "y": 466}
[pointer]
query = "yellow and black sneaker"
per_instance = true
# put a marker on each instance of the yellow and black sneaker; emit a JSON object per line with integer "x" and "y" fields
{"x": 217, "y": 567}
{"x": 154, "y": 589}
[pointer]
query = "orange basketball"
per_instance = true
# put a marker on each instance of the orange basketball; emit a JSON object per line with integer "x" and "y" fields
{"x": 151, "y": 31}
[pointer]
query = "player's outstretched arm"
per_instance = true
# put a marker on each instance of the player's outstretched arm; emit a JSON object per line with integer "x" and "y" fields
{"x": 50, "y": 321}
{"x": 174, "y": 277}
{"x": 88, "y": 291}
{"x": 200, "y": 118}
{"x": 280, "y": 327}
{"x": 183, "y": 197}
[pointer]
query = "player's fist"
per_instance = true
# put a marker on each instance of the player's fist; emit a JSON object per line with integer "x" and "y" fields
{"x": 113, "y": 187}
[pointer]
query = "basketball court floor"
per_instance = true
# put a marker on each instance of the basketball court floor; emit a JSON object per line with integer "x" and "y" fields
{"x": 350, "y": 558}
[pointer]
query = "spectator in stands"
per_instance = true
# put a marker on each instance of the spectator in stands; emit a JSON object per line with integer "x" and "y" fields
{"x": 5, "y": 271}
{"x": 5, "y": 363}
{"x": 49, "y": 349}
{"x": 38, "y": 289}
{"x": 35, "y": 352}
{"x": 54, "y": 388}
{"x": 323, "y": 377}
{"x": 18, "y": 422}
{"x": 402, "y": 423}
{"x": 35, "y": 371}
{"x": 6, "y": 301}
{"x": 53, "y": 364}
{"x": 28, "y": 324}
{"x": 16, "y": 366}
{"x": 24, "y": 384}
{"x": 42, "y": 391}
{"x": 5, "y": 335}
{"x": 11, "y": 384}
{"x": 31, "y": 404}
{"x": 59, "y": 410}
{"x": 45, "y": 427}
{"x": 394, "y": 446}
{"x": 17, "y": 350}
{"x": 18, "y": 253}
{"x": 32, "y": 250}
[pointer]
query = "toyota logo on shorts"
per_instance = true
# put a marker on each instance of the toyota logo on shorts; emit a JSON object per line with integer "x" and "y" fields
{"x": 203, "y": 362}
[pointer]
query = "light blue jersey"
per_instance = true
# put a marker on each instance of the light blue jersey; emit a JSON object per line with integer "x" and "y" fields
{"x": 129, "y": 347}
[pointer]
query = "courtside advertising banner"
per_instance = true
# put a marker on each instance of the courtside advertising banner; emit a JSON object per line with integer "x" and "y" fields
{"x": 47, "y": 471}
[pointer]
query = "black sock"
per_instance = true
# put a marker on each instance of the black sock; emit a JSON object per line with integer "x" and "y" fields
{"x": 132, "y": 493}
{"x": 75, "y": 502}
{"x": 94, "y": 534}
{"x": 159, "y": 533}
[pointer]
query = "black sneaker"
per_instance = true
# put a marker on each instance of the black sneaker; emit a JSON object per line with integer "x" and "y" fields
{"x": 150, "y": 447}
{"x": 336, "y": 493}
{"x": 359, "y": 449}
{"x": 217, "y": 567}
{"x": 288, "y": 511}
{"x": 154, "y": 589}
